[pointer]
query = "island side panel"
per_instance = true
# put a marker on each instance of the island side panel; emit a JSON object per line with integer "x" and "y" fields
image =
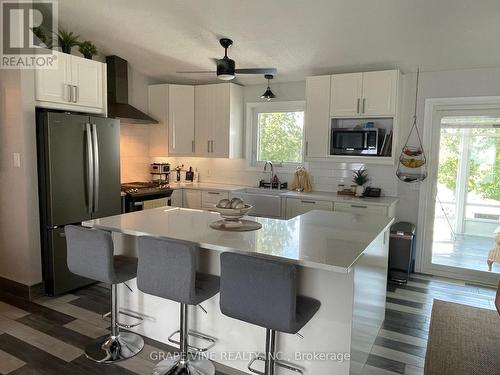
{"x": 370, "y": 285}
{"x": 328, "y": 332}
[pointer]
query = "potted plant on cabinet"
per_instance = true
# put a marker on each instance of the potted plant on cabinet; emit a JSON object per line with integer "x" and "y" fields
{"x": 360, "y": 178}
{"x": 67, "y": 40}
{"x": 87, "y": 49}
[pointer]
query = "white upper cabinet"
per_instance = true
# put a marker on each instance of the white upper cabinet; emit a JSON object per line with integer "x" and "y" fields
{"x": 87, "y": 77}
{"x": 54, "y": 85}
{"x": 364, "y": 94}
{"x": 219, "y": 120}
{"x": 347, "y": 90}
{"x": 75, "y": 83}
{"x": 317, "y": 116}
{"x": 181, "y": 120}
{"x": 379, "y": 93}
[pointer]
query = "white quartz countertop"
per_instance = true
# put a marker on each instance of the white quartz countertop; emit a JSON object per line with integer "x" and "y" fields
{"x": 318, "y": 195}
{"x": 319, "y": 239}
{"x": 205, "y": 186}
{"x": 327, "y": 196}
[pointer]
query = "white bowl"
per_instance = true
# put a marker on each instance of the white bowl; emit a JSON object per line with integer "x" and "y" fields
{"x": 233, "y": 213}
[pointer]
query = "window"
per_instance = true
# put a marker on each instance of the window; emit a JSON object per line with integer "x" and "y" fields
{"x": 277, "y": 132}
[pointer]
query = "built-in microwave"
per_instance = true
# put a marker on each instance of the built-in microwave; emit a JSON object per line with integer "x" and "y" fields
{"x": 346, "y": 141}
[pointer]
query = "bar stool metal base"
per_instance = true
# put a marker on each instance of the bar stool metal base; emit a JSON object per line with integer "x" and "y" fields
{"x": 111, "y": 349}
{"x": 195, "y": 365}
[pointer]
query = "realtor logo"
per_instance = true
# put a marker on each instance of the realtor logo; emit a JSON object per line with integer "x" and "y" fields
{"x": 27, "y": 33}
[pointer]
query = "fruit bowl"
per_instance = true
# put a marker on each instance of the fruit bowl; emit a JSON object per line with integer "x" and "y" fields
{"x": 233, "y": 214}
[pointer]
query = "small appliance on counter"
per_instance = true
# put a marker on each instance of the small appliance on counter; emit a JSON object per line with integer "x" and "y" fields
{"x": 160, "y": 172}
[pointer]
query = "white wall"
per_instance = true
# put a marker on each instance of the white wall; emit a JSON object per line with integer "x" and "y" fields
{"x": 19, "y": 220}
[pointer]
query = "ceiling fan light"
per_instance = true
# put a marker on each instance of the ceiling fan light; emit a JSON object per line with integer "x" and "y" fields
{"x": 226, "y": 77}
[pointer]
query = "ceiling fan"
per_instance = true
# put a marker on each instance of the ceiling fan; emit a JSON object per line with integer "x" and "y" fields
{"x": 226, "y": 67}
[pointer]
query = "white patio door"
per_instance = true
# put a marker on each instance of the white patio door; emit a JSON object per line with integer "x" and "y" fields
{"x": 460, "y": 204}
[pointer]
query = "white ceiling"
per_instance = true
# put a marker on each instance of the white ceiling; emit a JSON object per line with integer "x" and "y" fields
{"x": 298, "y": 37}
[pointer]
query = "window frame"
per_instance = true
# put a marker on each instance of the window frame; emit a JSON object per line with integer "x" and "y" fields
{"x": 253, "y": 110}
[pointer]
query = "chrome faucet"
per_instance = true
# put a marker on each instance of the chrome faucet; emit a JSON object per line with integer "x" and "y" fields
{"x": 272, "y": 173}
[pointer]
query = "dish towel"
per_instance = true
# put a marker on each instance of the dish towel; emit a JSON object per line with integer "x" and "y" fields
{"x": 301, "y": 180}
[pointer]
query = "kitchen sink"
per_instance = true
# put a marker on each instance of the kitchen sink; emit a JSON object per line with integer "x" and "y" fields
{"x": 265, "y": 202}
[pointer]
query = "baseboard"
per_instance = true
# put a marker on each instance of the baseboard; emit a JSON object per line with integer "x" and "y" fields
{"x": 27, "y": 292}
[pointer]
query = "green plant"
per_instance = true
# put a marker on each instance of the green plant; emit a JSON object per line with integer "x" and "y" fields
{"x": 87, "y": 49}
{"x": 67, "y": 39}
{"x": 41, "y": 39}
{"x": 360, "y": 177}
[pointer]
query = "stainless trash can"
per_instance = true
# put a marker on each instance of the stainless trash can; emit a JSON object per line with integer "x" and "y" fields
{"x": 401, "y": 252}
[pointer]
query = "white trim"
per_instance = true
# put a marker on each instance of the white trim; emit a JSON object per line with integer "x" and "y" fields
{"x": 431, "y": 138}
{"x": 250, "y": 129}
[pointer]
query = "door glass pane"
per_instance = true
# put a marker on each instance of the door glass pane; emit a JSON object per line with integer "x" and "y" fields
{"x": 467, "y": 211}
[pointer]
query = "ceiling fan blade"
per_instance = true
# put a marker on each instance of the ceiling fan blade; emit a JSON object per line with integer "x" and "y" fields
{"x": 197, "y": 71}
{"x": 272, "y": 71}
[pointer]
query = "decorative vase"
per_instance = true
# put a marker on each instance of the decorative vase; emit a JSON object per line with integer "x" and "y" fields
{"x": 360, "y": 189}
{"x": 66, "y": 49}
{"x": 88, "y": 57}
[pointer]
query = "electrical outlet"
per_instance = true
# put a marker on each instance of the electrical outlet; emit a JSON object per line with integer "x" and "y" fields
{"x": 17, "y": 160}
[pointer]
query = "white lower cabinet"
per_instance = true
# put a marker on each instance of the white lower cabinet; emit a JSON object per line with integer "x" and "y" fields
{"x": 177, "y": 198}
{"x": 299, "y": 206}
{"x": 210, "y": 198}
{"x": 192, "y": 199}
{"x": 359, "y": 208}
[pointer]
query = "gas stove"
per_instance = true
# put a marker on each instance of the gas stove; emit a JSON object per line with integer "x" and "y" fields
{"x": 145, "y": 188}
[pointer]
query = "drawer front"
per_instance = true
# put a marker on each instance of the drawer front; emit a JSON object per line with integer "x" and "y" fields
{"x": 192, "y": 199}
{"x": 210, "y": 198}
{"x": 360, "y": 208}
{"x": 295, "y": 206}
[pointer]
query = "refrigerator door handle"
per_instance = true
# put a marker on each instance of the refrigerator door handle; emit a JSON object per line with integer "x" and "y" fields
{"x": 95, "y": 145}
{"x": 90, "y": 167}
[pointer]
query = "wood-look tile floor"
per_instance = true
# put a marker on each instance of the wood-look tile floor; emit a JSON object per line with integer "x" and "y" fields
{"x": 48, "y": 336}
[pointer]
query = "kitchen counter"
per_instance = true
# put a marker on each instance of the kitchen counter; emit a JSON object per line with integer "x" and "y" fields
{"x": 326, "y": 240}
{"x": 342, "y": 261}
{"x": 205, "y": 186}
{"x": 333, "y": 197}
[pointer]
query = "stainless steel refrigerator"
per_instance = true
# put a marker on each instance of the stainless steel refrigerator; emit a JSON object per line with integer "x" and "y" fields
{"x": 79, "y": 179}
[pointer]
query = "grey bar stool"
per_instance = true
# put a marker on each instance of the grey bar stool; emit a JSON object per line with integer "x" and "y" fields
{"x": 90, "y": 254}
{"x": 167, "y": 269}
{"x": 264, "y": 292}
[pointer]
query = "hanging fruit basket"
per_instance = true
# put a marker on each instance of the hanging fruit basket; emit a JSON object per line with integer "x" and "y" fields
{"x": 412, "y": 161}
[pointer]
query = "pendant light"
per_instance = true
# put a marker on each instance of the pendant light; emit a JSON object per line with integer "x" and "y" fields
{"x": 412, "y": 161}
{"x": 268, "y": 95}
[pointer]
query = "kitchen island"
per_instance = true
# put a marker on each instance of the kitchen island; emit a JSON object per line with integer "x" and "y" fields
{"x": 342, "y": 259}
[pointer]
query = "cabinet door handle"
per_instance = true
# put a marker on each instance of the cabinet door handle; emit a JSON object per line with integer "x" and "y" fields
{"x": 311, "y": 202}
{"x": 212, "y": 146}
{"x": 77, "y": 94}
{"x": 363, "y": 106}
{"x": 192, "y": 145}
{"x": 357, "y": 105}
{"x": 213, "y": 192}
{"x": 358, "y": 206}
{"x": 208, "y": 146}
{"x": 307, "y": 148}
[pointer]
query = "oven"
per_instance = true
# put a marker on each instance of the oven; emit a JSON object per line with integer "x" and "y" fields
{"x": 143, "y": 196}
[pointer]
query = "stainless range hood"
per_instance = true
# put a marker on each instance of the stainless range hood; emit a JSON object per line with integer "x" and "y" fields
{"x": 118, "y": 106}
